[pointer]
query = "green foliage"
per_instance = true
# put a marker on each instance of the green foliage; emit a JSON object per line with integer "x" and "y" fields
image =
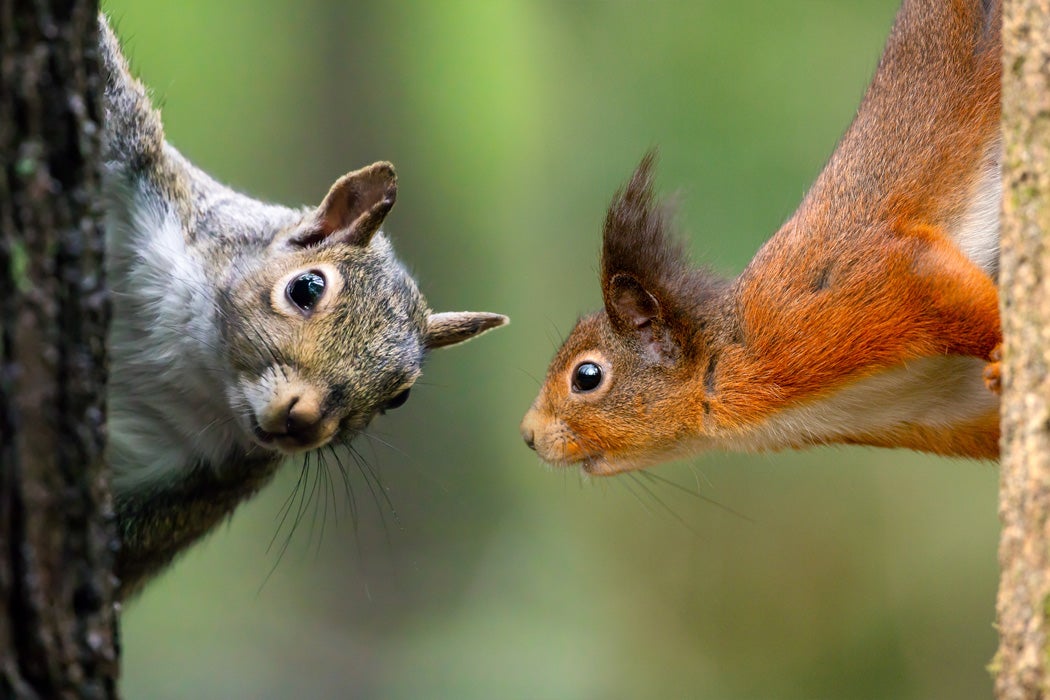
{"x": 866, "y": 574}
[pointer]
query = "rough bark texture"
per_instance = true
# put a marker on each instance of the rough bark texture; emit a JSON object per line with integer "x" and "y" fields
{"x": 1023, "y": 660}
{"x": 57, "y": 631}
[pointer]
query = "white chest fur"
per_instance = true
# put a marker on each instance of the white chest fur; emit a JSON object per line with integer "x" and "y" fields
{"x": 166, "y": 403}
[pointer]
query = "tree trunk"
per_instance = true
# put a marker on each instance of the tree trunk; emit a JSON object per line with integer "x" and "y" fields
{"x": 58, "y": 630}
{"x": 1023, "y": 661}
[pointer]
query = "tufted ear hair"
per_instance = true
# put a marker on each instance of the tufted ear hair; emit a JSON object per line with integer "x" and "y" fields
{"x": 650, "y": 290}
{"x": 453, "y": 327}
{"x": 354, "y": 208}
{"x": 640, "y": 264}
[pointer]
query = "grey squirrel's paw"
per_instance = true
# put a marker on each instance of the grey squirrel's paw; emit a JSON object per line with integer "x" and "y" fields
{"x": 993, "y": 370}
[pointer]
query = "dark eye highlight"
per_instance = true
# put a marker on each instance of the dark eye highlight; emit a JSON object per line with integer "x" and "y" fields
{"x": 306, "y": 290}
{"x": 586, "y": 377}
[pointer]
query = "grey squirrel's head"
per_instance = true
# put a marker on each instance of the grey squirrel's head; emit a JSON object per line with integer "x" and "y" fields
{"x": 326, "y": 329}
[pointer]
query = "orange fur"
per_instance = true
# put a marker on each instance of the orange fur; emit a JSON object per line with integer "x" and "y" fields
{"x": 866, "y": 291}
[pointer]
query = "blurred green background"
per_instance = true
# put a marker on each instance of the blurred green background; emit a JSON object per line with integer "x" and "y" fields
{"x": 865, "y": 574}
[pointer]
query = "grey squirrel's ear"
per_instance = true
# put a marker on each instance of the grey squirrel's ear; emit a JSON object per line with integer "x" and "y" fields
{"x": 354, "y": 208}
{"x": 452, "y": 327}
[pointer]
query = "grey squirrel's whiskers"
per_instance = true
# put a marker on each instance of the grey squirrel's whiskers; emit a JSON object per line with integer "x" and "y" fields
{"x": 243, "y": 333}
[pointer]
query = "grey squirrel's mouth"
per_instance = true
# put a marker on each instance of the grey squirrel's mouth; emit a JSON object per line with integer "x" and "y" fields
{"x": 263, "y": 436}
{"x": 284, "y": 443}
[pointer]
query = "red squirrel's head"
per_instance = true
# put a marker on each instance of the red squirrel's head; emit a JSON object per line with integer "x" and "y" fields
{"x": 623, "y": 391}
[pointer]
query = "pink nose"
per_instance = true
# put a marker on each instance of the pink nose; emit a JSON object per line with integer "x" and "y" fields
{"x": 297, "y": 415}
{"x": 302, "y": 418}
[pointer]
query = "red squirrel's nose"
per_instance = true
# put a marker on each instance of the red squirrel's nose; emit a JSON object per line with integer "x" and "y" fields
{"x": 528, "y": 430}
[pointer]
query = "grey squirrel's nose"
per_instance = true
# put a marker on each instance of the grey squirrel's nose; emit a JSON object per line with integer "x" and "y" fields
{"x": 304, "y": 413}
{"x": 298, "y": 416}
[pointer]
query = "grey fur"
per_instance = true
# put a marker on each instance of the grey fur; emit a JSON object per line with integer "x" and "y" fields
{"x": 204, "y": 342}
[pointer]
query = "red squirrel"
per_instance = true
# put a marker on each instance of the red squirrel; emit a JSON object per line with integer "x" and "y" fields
{"x": 868, "y": 318}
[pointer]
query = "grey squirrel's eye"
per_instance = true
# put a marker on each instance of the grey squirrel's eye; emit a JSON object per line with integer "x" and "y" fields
{"x": 586, "y": 377}
{"x": 306, "y": 289}
{"x": 397, "y": 401}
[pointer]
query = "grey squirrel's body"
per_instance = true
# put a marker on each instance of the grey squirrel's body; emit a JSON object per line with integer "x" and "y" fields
{"x": 242, "y": 332}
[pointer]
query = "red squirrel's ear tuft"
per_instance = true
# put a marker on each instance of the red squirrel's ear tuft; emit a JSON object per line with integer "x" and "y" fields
{"x": 648, "y": 285}
{"x": 354, "y": 208}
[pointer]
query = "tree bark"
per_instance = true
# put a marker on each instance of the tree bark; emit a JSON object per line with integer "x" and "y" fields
{"x": 1023, "y": 661}
{"x": 58, "y": 629}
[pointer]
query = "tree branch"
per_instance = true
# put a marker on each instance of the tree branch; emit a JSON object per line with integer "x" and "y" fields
{"x": 1023, "y": 660}
{"x": 57, "y": 633}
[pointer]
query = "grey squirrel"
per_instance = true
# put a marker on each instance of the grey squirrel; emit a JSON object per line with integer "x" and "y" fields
{"x": 242, "y": 332}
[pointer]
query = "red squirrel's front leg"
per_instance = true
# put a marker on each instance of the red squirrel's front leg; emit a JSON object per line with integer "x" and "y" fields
{"x": 993, "y": 371}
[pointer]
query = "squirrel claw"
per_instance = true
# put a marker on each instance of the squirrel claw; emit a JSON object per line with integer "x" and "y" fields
{"x": 993, "y": 370}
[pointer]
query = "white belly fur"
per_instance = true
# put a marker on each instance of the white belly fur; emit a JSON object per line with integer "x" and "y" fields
{"x": 933, "y": 392}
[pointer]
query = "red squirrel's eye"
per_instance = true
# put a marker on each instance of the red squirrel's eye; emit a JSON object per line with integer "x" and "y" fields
{"x": 586, "y": 377}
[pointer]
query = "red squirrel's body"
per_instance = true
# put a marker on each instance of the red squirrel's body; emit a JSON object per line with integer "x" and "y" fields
{"x": 867, "y": 318}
